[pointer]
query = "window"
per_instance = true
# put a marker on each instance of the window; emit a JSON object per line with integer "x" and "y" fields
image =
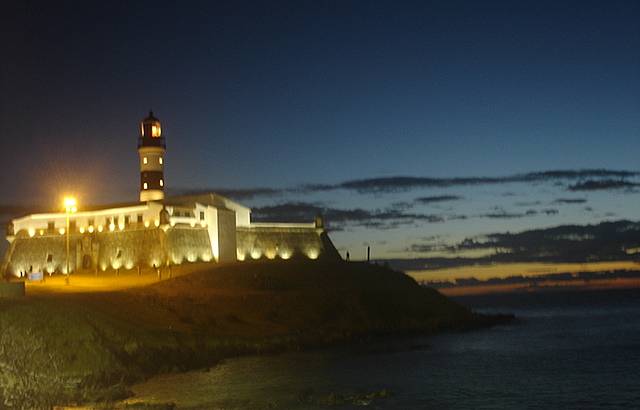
{"x": 91, "y": 222}
{"x": 161, "y": 183}
{"x": 49, "y": 258}
{"x": 144, "y": 186}
{"x": 51, "y": 225}
{"x": 160, "y": 161}
{"x": 144, "y": 160}
{"x": 127, "y": 219}
{"x": 202, "y": 215}
{"x": 139, "y": 218}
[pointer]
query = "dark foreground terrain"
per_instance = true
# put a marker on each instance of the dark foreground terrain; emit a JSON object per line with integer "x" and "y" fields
{"x": 66, "y": 348}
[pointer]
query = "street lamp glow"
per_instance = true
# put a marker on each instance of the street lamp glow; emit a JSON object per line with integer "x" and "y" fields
{"x": 70, "y": 204}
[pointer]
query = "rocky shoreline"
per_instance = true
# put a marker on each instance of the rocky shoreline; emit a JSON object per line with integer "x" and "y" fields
{"x": 88, "y": 348}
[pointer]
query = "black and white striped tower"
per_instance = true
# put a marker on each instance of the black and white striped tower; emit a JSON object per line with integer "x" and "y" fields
{"x": 151, "y": 149}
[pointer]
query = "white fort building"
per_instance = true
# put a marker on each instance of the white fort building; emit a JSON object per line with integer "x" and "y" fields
{"x": 155, "y": 231}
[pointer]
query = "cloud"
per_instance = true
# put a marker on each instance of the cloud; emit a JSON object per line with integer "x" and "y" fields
{"x": 402, "y": 205}
{"x": 605, "y": 177}
{"x": 603, "y": 184}
{"x": 438, "y": 198}
{"x": 507, "y": 215}
{"x": 528, "y": 204}
{"x": 426, "y": 248}
{"x": 403, "y": 183}
{"x": 604, "y": 241}
{"x": 500, "y": 213}
{"x": 237, "y": 194}
{"x": 432, "y": 243}
{"x": 560, "y": 201}
{"x": 304, "y": 211}
{"x": 549, "y": 211}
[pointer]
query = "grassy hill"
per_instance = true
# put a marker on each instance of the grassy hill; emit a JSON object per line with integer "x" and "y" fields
{"x": 78, "y": 347}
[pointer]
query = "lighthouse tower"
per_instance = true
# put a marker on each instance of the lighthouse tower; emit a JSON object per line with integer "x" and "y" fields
{"x": 151, "y": 149}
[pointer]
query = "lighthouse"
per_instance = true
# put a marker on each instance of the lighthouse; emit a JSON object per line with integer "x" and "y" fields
{"x": 151, "y": 150}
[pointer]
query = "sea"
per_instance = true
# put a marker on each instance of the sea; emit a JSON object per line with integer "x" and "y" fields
{"x": 566, "y": 350}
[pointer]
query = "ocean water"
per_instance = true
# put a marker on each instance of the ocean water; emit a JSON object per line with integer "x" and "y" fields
{"x": 567, "y": 350}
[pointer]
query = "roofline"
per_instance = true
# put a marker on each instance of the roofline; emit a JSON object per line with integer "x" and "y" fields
{"x": 104, "y": 211}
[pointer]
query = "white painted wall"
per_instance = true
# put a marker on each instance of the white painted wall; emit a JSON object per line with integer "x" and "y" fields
{"x": 34, "y": 223}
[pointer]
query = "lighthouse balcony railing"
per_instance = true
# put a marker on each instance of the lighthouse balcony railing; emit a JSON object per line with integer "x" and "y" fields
{"x": 151, "y": 142}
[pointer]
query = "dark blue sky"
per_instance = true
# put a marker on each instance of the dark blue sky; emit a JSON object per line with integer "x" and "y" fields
{"x": 277, "y": 94}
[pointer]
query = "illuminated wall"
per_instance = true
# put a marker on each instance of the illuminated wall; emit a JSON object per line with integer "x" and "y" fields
{"x": 109, "y": 250}
{"x": 282, "y": 243}
{"x": 38, "y": 254}
{"x": 186, "y": 244}
{"x": 184, "y": 229}
{"x": 89, "y": 221}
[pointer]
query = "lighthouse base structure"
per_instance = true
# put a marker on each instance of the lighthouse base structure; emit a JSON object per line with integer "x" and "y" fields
{"x": 205, "y": 228}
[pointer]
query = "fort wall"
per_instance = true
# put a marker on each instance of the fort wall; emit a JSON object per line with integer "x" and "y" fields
{"x": 149, "y": 247}
{"x": 108, "y": 250}
{"x": 283, "y": 242}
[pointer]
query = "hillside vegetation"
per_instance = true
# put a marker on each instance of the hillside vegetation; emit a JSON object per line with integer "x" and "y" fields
{"x": 85, "y": 347}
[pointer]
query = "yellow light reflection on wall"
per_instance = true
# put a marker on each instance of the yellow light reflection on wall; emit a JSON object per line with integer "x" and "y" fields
{"x": 256, "y": 253}
{"x": 240, "y": 255}
{"x": 285, "y": 254}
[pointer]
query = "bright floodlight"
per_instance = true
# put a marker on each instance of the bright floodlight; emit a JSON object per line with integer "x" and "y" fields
{"x": 70, "y": 204}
